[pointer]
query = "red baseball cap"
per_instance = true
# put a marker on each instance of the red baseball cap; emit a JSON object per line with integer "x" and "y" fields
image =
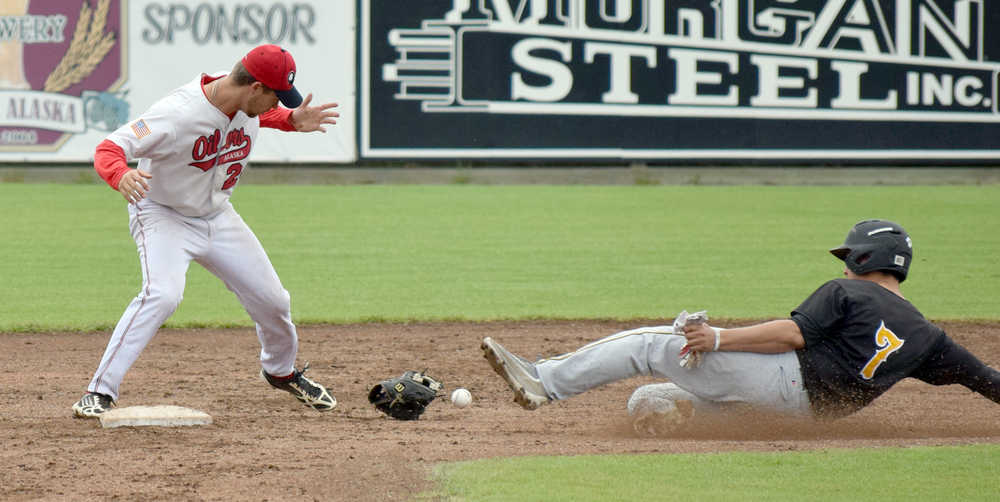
{"x": 274, "y": 67}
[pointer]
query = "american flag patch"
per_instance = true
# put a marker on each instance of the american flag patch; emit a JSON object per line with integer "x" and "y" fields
{"x": 140, "y": 129}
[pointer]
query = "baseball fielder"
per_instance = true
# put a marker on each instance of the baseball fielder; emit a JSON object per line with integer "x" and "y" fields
{"x": 192, "y": 147}
{"x": 845, "y": 345}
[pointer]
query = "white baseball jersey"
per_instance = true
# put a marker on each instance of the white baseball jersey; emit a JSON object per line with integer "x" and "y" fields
{"x": 195, "y": 153}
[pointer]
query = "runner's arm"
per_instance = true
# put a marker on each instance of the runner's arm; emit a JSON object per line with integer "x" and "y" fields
{"x": 772, "y": 337}
{"x": 953, "y": 364}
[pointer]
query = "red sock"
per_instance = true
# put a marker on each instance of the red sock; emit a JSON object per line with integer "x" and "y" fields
{"x": 283, "y": 378}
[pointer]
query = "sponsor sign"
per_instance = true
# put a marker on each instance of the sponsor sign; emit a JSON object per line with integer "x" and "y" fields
{"x": 195, "y": 36}
{"x": 61, "y": 64}
{"x": 71, "y": 71}
{"x": 726, "y": 79}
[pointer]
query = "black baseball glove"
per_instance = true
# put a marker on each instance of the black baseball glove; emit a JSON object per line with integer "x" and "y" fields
{"x": 405, "y": 397}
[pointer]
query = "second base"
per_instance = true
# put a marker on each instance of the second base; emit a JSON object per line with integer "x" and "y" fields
{"x": 163, "y": 416}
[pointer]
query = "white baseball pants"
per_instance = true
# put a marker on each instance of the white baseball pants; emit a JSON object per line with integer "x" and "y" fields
{"x": 167, "y": 242}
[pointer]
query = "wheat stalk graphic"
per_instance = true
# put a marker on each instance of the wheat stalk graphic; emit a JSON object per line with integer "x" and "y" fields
{"x": 89, "y": 46}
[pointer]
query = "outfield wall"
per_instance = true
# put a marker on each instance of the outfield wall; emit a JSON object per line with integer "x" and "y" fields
{"x": 810, "y": 81}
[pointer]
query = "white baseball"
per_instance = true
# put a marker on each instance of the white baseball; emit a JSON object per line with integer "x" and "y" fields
{"x": 461, "y": 397}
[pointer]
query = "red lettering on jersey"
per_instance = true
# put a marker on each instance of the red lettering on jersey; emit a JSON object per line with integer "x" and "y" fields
{"x": 205, "y": 146}
{"x": 205, "y": 152}
{"x": 235, "y": 137}
{"x": 234, "y": 176}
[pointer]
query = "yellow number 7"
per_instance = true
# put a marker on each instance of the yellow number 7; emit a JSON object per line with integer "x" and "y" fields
{"x": 887, "y": 343}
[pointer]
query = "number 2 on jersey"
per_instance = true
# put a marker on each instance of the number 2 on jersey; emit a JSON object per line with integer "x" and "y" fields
{"x": 234, "y": 175}
{"x": 887, "y": 343}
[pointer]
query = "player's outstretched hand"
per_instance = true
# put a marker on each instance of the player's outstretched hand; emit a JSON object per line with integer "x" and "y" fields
{"x": 133, "y": 185}
{"x": 307, "y": 118}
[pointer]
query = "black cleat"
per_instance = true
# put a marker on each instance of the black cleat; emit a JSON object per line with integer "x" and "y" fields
{"x": 92, "y": 405}
{"x": 304, "y": 389}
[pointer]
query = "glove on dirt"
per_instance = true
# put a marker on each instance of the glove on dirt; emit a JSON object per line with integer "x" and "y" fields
{"x": 405, "y": 397}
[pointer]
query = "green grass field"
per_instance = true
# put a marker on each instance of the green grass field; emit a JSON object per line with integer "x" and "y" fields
{"x": 893, "y": 474}
{"x": 402, "y": 253}
{"x": 398, "y": 253}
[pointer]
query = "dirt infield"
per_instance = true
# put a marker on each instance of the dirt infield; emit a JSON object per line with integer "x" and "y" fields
{"x": 265, "y": 446}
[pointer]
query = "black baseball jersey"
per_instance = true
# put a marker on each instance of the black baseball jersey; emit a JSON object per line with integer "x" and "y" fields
{"x": 861, "y": 338}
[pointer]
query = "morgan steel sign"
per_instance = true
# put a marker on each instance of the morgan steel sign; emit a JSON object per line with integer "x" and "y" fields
{"x": 700, "y": 79}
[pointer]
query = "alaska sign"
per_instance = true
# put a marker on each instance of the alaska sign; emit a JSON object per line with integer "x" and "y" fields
{"x": 60, "y": 63}
{"x": 699, "y": 79}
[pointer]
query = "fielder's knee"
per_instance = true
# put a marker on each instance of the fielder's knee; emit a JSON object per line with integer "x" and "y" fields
{"x": 163, "y": 299}
{"x": 275, "y": 305}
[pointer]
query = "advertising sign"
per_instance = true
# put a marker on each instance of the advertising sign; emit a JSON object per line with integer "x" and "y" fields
{"x": 61, "y": 66}
{"x": 727, "y": 79}
{"x": 73, "y": 70}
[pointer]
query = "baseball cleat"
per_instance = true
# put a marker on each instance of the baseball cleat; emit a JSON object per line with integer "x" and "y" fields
{"x": 303, "y": 388}
{"x": 92, "y": 405}
{"x": 521, "y": 375}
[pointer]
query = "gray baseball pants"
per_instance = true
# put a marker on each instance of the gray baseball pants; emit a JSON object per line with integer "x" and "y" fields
{"x": 767, "y": 381}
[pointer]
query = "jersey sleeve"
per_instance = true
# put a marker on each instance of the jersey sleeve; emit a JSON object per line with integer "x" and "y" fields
{"x": 277, "y": 118}
{"x": 821, "y": 313}
{"x": 149, "y": 136}
{"x": 950, "y": 363}
{"x": 110, "y": 163}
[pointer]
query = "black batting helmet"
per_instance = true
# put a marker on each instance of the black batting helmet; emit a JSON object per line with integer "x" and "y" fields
{"x": 877, "y": 245}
